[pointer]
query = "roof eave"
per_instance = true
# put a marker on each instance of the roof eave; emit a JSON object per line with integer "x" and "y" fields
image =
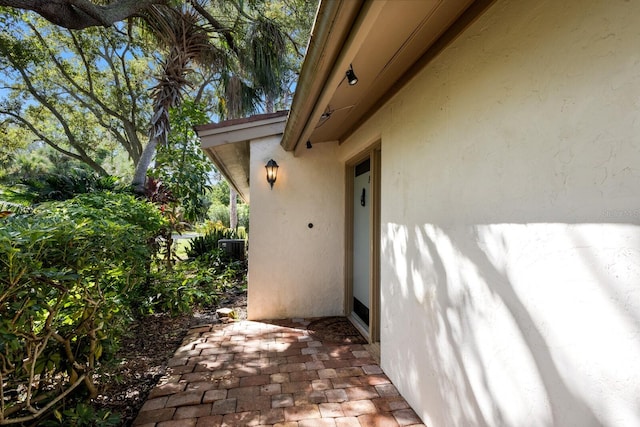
{"x": 227, "y": 145}
{"x": 333, "y": 23}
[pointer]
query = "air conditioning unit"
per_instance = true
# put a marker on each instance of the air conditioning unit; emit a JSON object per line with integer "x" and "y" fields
{"x": 232, "y": 247}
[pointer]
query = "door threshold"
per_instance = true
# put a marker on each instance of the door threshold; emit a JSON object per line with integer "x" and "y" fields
{"x": 359, "y": 325}
{"x": 372, "y": 348}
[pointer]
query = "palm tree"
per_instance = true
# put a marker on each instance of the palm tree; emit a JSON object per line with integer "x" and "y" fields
{"x": 265, "y": 68}
{"x": 187, "y": 40}
{"x": 249, "y": 71}
{"x": 239, "y": 99}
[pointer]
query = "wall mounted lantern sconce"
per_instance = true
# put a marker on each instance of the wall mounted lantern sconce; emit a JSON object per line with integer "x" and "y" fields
{"x": 272, "y": 172}
{"x": 351, "y": 76}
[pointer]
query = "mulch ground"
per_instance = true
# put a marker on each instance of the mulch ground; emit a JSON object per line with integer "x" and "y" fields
{"x": 337, "y": 330}
{"x": 144, "y": 353}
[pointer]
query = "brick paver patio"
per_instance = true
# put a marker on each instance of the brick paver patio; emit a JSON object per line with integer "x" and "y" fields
{"x": 272, "y": 374}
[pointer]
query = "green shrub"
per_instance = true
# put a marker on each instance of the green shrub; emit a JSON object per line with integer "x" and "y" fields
{"x": 63, "y": 185}
{"x": 209, "y": 241}
{"x": 66, "y": 275}
{"x": 243, "y": 216}
{"x": 194, "y": 283}
{"x": 242, "y": 233}
{"x": 83, "y": 415}
{"x": 219, "y": 213}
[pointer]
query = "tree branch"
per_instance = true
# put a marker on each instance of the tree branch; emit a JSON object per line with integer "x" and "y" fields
{"x": 133, "y": 146}
{"x": 80, "y": 14}
{"x": 46, "y": 407}
{"x": 218, "y": 27}
{"x": 83, "y": 57}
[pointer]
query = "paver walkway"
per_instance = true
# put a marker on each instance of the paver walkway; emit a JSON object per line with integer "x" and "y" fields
{"x": 272, "y": 374}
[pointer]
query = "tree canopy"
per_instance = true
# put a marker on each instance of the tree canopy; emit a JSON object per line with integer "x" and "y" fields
{"x": 79, "y": 88}
{"x": 94, "y": 93}
{"x": 84, "y": 94}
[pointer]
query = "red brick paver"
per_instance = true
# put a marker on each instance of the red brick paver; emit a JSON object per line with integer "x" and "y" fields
{"x": 272, "y": 374}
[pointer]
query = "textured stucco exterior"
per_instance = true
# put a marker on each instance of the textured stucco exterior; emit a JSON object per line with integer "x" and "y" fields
{"x": 296, "y": 270}
{"x": 510, "y": 270}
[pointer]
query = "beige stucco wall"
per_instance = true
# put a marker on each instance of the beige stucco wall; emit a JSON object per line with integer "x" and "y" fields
{"x": 510, "y": 279}
{"x": 294, "y": 270}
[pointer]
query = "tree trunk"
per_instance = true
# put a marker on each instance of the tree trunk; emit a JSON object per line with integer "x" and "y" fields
{"x": 233, "y": 208}
{"x": 140, "y": 174}
{"x": 269, "y": 106}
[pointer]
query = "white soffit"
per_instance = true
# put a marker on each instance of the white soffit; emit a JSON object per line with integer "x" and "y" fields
{"x": 227, "y": 145}
{"x": 386, "y": 38}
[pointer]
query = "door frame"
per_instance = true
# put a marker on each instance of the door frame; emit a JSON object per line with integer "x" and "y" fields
{"x": 372, "y": 333}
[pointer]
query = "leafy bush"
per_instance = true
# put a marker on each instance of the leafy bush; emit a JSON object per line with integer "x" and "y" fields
{"x": 10, "y": 208}
{"x": 199, "y": 281}
{"x": 219, "y": 212}
{"x": 209, "y": 241}
{"x": 66, "y": 271}
{"x": 195, "y": 283}
{"x": 182, "y": 166}
{"x": 63, "y": 185}
{"x": 243, "y": 216}
{"x": 83, "y": 415}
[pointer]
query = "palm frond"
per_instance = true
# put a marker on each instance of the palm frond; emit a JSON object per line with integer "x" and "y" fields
{"x": 10, "y": 208}
{"x": 239, "y": 97}
{"x": 187, "y": 40}
{"x": 268, "y": 49}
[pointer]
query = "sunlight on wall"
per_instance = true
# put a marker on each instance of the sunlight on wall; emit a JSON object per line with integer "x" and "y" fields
{"x": 510, "y": 257}
{"x": 527, "y": 324}
{"x": 590, "y": 323}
